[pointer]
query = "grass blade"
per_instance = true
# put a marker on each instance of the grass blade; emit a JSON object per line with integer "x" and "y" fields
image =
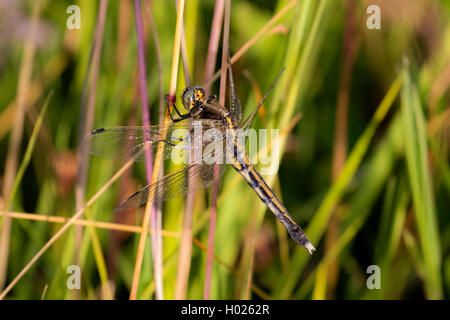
{"x": 318, "y": 225}
{"x": 421, "y": 187}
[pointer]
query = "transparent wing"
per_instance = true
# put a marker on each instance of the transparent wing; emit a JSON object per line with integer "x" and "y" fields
{"x": 174, "y": 185}
{"x": 201, "y": 155}
{"x": 128, "y": 142}
{"x": 246, "y": 124}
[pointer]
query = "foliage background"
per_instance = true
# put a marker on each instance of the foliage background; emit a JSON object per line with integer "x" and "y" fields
{"x": 389, "y": 205}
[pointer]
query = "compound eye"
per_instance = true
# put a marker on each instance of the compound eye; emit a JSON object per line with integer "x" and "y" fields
{"x": 191, "y": 102}
{"x": 199, "y": 93}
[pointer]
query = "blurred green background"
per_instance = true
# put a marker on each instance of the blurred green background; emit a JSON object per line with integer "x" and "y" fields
{"x": 365, "y": 171}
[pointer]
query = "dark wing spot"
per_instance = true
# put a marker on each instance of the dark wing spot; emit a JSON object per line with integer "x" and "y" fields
{"x": 98, "y": 131}
{"x": 133, "y": 195}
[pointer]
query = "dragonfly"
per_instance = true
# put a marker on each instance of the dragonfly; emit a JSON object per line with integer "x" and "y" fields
{"x": 203, "y": 114}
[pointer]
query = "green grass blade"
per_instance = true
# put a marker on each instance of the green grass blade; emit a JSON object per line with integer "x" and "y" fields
{"x": 319, "y": 223}
{"x": 421, "y": 187}
{"x": 29, "y": 150}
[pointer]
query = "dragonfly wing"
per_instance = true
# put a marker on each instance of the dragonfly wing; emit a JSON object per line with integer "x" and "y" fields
{"x": 129, "y": 142}
{"x": 192, "y": 178}
{"x": 246, "y": 124}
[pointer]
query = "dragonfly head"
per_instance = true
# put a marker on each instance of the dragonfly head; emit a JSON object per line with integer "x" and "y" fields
{"x": 191, "y": 96}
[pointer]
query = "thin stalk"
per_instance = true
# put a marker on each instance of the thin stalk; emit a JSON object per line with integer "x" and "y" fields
{"x": 87, "y": 115}
{"x": 255, "y": 288}
{"x": 100, "y": 261}
{"x": 421, "y": 186}
{"x": 209, "y": 69}
{"x": 28, "y": 152}
{"x": 157, "y": 249}
{"x": 26, "y": 67}
{"x": 184, "y": 59}
{"x": 213, "y": 45}
{"x": 143, "y": 82}
{"x": 44, "y": 292}
{"x": 212, "y": 221}
{"x": 157, "y": 254}
{"x": 249, "y": 253}
{"x": 184, "y": 260}
{"x": 87, "y": 107}
{"x": 87, "y": 223}
{"x": 349, "y": 51}
{"x": 158, "y": 158}
{"x": 158, "y": 60}
{"x": 263, "y": 31}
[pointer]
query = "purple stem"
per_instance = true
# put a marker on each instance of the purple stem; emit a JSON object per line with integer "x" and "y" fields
{"x": 146, "y": 122}
{"x": 87, "y": 115}
{"x": 143, "y": 83}
{"x": 212, "y": 52}
{"x": 213, "y": 43}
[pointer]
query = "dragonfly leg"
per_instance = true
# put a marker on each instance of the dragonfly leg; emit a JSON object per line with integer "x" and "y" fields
{"x": 180, "y": 116}
{"x": 211, "y": 98}
{"x": 165, "y": 141}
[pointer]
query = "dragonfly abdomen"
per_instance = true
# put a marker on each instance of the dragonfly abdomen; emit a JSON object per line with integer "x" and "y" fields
{"x": 269, "y": 198}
